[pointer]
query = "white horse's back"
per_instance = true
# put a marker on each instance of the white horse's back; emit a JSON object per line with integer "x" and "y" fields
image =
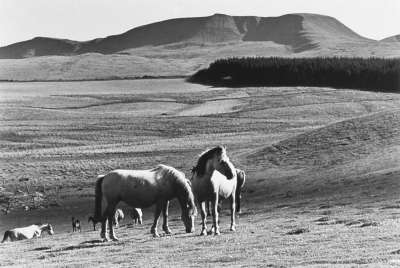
{"x": 138, "y": 188}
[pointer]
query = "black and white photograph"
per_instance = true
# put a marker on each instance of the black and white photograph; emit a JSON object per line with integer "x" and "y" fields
{"x": 200, "y": 133}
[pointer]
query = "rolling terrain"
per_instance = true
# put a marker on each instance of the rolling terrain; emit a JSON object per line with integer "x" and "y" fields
{"x": 182, "y": 46}
{"x": 322, "y": 170}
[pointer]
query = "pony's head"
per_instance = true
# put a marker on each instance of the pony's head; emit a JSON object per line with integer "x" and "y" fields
{"x": 215, "y": 159}
{"x": 186, "y": 199}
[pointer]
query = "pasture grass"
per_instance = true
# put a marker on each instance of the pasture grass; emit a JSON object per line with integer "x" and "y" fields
{"x": 61, "y": 136}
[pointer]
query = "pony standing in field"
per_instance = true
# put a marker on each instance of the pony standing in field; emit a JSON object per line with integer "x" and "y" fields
{"x": 27, "y": 232}
{"x": 76, "y": 225}
{"x": 214, "y": 176}
{"x": 137, "y": 215}
{"x": 140, "y": 189}
{"x": 241, "y": 179}
{"x": 118, "y": 216}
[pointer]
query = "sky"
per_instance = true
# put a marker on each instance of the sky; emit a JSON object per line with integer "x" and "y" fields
{"x": 88, "y": 19}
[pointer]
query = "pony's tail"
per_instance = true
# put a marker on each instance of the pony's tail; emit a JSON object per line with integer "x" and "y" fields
{"x": 98, "y": 199}
{"x": 6, "y": 235}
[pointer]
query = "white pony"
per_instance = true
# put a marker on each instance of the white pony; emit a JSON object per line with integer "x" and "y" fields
{"x": 214, "y": 176}
{"x": 28, "y": 232}
{"x": 141, "y": 189}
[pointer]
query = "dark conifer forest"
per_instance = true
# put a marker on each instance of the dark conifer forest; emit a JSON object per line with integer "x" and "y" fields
{"x": 375, "y": 74}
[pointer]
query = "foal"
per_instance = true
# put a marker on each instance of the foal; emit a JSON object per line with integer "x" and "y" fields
{"x": 76, "y": 225}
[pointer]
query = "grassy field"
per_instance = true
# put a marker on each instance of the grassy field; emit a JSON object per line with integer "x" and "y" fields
{"x": 321, "y": 163}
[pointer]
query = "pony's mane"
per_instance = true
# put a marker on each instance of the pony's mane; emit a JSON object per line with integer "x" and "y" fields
{"x": 180, "y": 179}
{"x": 200, "y": 167}
{"x": 170, "y": 171}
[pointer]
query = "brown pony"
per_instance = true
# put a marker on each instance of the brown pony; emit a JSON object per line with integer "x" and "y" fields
{"x": 214, "y": 176}
{"x": 141, "y": 189}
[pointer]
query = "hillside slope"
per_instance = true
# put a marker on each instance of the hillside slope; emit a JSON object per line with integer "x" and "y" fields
{"x": 394, "y": 38}
{"x": 183, "y": 46}
{"x": 336, "y": 143}
{"x": 299, "y": 31}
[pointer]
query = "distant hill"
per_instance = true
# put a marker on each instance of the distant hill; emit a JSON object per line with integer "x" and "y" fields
{"x": 394, "y": 38}
{"x": 298, "y": 31}
{"x": 182, "y": 46}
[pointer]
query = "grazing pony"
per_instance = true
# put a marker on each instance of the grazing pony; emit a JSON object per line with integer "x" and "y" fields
{"x": 241, "y": 179}
{"x": 214, "y": 176}
{"x": 137, "y": 215}
{"x": 76, "y": 225}
{"x": 27, "y": 232}
{"x": 143, "y": 188}
{"x": 118, "y": 216}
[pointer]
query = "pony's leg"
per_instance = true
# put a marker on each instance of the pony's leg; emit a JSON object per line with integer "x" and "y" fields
{"x": 238, "y": 208}
{"x": 157, "y": 213}
{"x": 103, "y": 232}
{"x": 203, "y": 217}
{"x": 111, "y": 228}
{"x": 214, "y": 203}
{"x": 233, "y": 210}
{"x": 208, "y": 208}
{"x": 165, "y": 218}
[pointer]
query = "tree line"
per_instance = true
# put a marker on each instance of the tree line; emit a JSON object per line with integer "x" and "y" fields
{"x": 376, "y": 74}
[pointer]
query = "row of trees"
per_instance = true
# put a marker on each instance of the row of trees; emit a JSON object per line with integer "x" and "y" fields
{"x": 359, "y": 73}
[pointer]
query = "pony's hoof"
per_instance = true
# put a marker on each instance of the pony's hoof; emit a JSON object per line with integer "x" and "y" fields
{"x": 105, "y": 239}
{"x": 115, "y": 239}
{"x": 156, "y": 235}
{"x": 233, "y": 229}
{"x": 217, "y": 232}
{"x": 203, "y": 232}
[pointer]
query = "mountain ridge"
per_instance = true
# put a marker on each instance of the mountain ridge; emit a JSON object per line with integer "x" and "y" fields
{"x": 299, "y": 31}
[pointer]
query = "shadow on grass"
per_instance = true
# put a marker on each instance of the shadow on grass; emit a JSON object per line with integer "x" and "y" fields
{"x": 84, "y": 245}
{"x": 298, "y": 231}
{"x": 41, "y": 248}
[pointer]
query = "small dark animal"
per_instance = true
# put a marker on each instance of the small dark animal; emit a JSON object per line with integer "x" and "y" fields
{"x": 76, "y": 225}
